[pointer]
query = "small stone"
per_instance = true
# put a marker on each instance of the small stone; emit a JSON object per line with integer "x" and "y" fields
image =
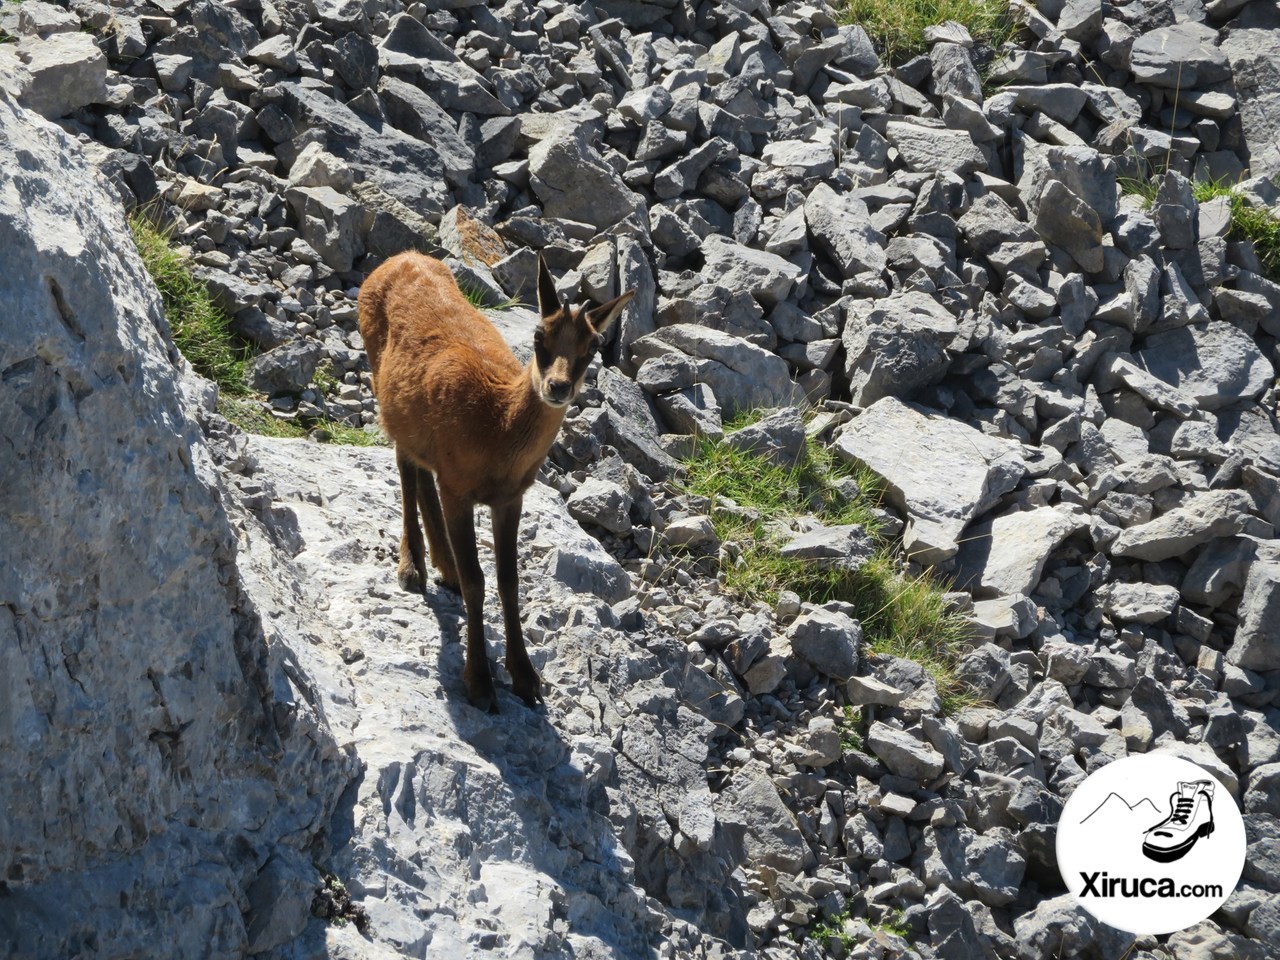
{"x": 828, "y": 641}
{"x": 692, "y": 533}
{"x": 602, "y": 503}
{"x": 904, "y": 754}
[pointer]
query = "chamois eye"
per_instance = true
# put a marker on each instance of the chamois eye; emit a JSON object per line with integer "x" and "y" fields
{"x": 540, "y": 351}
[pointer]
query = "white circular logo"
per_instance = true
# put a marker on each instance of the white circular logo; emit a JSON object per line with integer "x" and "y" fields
{"x": 1151, "y": 843}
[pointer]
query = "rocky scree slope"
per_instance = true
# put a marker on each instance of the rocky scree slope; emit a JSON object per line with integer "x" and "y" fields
{"x": 1070, "y": 393}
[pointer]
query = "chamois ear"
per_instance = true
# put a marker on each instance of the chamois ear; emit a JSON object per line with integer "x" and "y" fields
{"x": 602, "y": 316}
{"x": 548, "y": 298}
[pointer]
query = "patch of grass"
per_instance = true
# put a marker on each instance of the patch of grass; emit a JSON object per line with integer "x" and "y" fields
{"x": 248, "y": 414}
{"x": 200, "y": 329}
{"x": 477, "y": 298}
{"x": 901, "y": 615}
{"x": 894, "y": 924}
{"x": 897, "y": 27}
{"x": 1247, "y": 222}
{"x": 203, "y": 334}
{"x": 848, "y": 724}
{"x": 326, "y": 377}
{"x": 833, "y": 929}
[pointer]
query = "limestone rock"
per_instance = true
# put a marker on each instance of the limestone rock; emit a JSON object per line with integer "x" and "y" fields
{"x": 1214, "y": 513}
{"x": 1215, "y": 363}
{"x": 1005, "y": 555}
{"x": 904, "y": 754}
{"x": 1185, "y": 55}
{"x": 766, "y": 276}
{"x": 940, "y": 471}
{"x": 574, "y": 183}
{"x": 841, "y": 229}
{"x": 60, "y": 74}
{"x": 1257, "y": 640}
{"x": 897, "y": 346}
{"x": 742, "y": 375}
{"x": 126, "y": 566}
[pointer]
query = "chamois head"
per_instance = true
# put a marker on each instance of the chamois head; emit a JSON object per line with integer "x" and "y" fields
{"x": 566, "y": 340}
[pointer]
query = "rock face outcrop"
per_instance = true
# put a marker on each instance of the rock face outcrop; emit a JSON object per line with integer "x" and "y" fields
{"x": 168, "y": 767}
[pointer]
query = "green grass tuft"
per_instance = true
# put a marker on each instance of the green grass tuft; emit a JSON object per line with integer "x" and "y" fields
{"x": 848, "y": 724}
{"x": 897, "y": 27}
{"x": 1247, "y": 222}
{"x": 476, "y": 297}
{"x": 901, "y": 615}
{"x": 250, "y": 416}
{"x": 203, "y": 334}
{"x": 201, "y": 330}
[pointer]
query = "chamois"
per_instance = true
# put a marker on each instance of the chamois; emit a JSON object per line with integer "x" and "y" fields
{"x": 470, "y": 426}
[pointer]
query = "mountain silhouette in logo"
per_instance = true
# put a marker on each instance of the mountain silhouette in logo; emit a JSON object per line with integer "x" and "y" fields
{"x": 1116, "y": 809}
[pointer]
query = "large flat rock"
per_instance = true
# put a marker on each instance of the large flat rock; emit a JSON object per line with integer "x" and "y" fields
{"x": 1005, "y": 555}
{"x": 940, "y": 471}
{"x": 1216, "y": 363}
{"x": 1204, "y": 517}
{"x": 445, "y": 839}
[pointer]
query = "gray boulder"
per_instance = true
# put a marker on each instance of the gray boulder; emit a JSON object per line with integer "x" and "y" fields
{"x": 841, "y": 229}
{"x": 140, "y": 684}
{"x": 1181, "y": 56}
{"x": 773, "y": 837}
{"x": 1217, "y": 364}
{"x": 1257, "y": 641}
{"x": 602, "y": 503}
{"x": 844, "y": 547}
{"x": 1252, "y": 48}
{"x": 904, "y": 754}
{"x": 407, "y": 168}
{"x": 897, "y": 346}
{"x": 940, "y": 471}
{"x": 1139, "y": 602}
{"x": 828, "y": 641}
{"x": 59, "y": 74}
{"x": 1066, "y": 220}
{"x": 927, "y": 149}
{"x": 1005, "y": 555}
{"x": 743, "y": 376}
{"x": 766, "y": 276}
{"x": 779, "y": 438}
{"x": 287, "y": 369}
{"x": 1061, "y": 927}
{"x": 1204, "y": 517}
{"x": 574, "y": 183}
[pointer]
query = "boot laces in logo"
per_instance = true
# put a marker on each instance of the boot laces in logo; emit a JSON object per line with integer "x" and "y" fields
{"x": 1151, "y": 844}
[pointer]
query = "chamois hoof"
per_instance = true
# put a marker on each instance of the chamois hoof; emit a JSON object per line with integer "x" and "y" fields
{"x": 529, "y": 692}
{"x": 482, "y": 695}
{"x": 410, "y": 580}
{"x": 444, "y": 584}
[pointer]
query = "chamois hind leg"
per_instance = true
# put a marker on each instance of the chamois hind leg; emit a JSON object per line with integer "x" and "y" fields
{"x": 437, "y": 538}
{"x": 413, "y": 563}
{"x": 459, "y": 521}
{"x": 524, "y": 678}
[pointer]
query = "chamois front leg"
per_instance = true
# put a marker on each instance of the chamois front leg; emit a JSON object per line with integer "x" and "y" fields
{"x": 412, "y": 572}
{"x": 459, "y": 522}
{"x": 525, "y": 681}
{"x": 437, "y": 538}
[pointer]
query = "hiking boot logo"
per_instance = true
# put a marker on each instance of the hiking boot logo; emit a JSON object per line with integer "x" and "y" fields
{"x": 1151, "y": 843}
{"x": 1190, "y": 818}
